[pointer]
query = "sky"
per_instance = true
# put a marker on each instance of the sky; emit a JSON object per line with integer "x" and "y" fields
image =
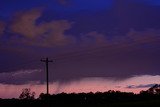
{"x": 95, "y": 45}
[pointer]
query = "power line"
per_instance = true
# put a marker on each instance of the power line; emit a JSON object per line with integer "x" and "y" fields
{"x": 87, "y": 52}
{"x": 99, "y": 49}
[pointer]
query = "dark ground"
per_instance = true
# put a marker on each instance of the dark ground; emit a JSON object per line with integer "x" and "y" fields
{"x": 107, "y": 99}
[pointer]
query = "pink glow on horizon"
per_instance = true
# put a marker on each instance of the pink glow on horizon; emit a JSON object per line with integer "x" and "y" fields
{"x": 83, "y": 85}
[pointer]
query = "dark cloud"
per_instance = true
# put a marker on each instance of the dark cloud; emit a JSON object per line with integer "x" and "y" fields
{"x": 140, "y": 86}
{"x": 119, "y": 19}
{"x": 22, "y": 77}
{"x": 136, "y": 53}
{"x": 64, "y": 2}
{"x": 121, "y": 57}
{"x": 95, "y": 45}
{"x": 93, "y": 38}
{"x": 102, "y": 44}
{"x": 91, "y": 84}
{"x": 2, "y": 27}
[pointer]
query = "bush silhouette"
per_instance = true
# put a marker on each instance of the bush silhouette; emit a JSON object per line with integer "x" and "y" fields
{"x": 27, "y": 94}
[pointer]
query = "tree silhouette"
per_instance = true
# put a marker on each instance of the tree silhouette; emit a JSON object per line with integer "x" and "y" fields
{"x": 27, "y": 94}
{"x": 109, "y": 98}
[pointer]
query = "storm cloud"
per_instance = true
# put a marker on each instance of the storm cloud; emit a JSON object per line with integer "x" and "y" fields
{"x": 101, "y": 39}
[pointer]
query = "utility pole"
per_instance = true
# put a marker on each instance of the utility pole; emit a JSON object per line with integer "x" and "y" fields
{"x": 46, "y": 60}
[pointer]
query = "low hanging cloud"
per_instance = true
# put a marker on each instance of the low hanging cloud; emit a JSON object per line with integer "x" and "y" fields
{"x": 44, "y": 33}
{"x": 22, "y": 76}
{"x": 90, "y": 84}
{"x": 141, "y": 86}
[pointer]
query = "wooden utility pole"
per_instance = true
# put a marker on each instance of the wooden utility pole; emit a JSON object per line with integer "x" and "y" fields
{"x": 46, "y": 60}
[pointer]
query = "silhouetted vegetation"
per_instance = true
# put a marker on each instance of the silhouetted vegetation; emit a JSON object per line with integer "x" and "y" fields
{"x": 27, "y": 94}
{"x": 111, "y": 98}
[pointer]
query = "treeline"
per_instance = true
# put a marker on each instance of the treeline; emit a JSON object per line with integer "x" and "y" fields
{"x": 99, "y": 97}
{"x": 111, "y": 98}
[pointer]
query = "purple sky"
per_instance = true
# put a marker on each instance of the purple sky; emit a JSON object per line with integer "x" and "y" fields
{"x": 116, "y": 39}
